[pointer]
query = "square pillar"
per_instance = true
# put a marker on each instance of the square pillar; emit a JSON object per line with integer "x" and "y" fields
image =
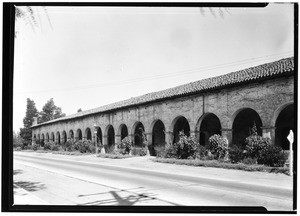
{"x": 228, "y": 134}
{"x": 169, "y": 137}
{"x": 269, "y": 132}
{"x": 118, "y": 139}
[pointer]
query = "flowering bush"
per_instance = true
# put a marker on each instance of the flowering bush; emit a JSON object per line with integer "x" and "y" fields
{"x": 84, "y": 146}
{"x": 271, "y": 155}
{"x": 218, "y": 145}
{"x": 254, "y": 143}
{"x": 69, "y": 145}
{"x": 184, "y": 148}
{"x": 49, "y": 145}
{"x": 125, "y": 146}
{"x": 262, "y": 149}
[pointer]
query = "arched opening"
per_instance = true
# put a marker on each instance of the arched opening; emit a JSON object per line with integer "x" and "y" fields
{"x": 79, "y": 135}
{"x": 38, "y": 139}
{"x": 52, "y": 137}
{"x": 47, "y": 137}
{"x": 110, "y": 138}
{"x": 43, "y": 140}
{"x": 99, "y": 135}
{"x": 124, "y": 131}
{"x": 209, "y": 126}
{"x": 242, "y": 124}
{"x": 71, "y": 134}
{"x": 138, "y": 134}
{"x": 64, "y": 135}
{"x": 58, "y": 138}
{"x": 88, "y": 134}
{"x": 284, "y": 123}
{"x": 181, "y": 124}
{"x": 158, "y": 138}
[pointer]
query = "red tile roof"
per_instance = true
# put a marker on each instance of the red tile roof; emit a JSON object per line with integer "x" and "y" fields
{"x": 253, "y": 74}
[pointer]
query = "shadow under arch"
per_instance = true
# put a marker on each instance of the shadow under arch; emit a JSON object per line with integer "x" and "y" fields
{"x": 138, "y": 131}
{"x": 242, "y": 123}
{"x": 180, "y": 123}
{"x": 207, "y": 125}
{"x": 157, "y": 128}
{"x": 284, "y": 123}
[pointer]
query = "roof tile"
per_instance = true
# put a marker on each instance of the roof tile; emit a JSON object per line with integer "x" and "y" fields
{"x": 253, "y": 73}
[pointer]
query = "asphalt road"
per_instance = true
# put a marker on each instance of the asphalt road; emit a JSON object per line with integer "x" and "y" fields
{"x": 60, "y": 181}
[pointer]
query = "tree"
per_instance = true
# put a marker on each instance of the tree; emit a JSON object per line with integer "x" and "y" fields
{"x": 31, "y": 15}
{"x": 31, "y": 112}
{"x": 50, "y": 111}
{"x": 17, "y": 139}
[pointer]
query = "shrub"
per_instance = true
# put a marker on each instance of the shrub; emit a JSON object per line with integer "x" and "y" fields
{"x": 84, "y": 146}
{"x": 160, "y": 151}
{"x": 200, "y": 152}
{"x": 271, "y": 155}
{"x": 56, "y": 148}
{"x": 218, "y": 145}
{"x": 249, "y": 161}
{"x": 18, "y": 148}
{"x": 125, "y": 146}
{"x": 139, "y": 151}
{"x": 49, "y": 145}
{"x": 171, "y": 151}
{"x": 69, "y": 145}
{"x": 35, "y": 147}
{"x": 185, "y": 148}
{"x": 254, "y": 143}
{"x": 109, "y": 149}
{"x": 236, "y": 154}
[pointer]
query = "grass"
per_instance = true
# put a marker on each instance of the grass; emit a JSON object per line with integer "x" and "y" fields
{"x": 224, "y": 165}
{"x": 113, "y": 156}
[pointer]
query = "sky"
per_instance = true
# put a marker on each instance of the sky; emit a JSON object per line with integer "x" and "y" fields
{"x": 86, "y": 57}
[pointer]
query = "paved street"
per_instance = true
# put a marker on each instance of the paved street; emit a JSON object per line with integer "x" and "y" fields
{"x": 87, "y": 180}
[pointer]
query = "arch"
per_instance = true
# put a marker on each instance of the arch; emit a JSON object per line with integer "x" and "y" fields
{"x": 34, "y": 138}
{"x": 39, "y": 138}
{"x": 138, "y": 130}
{"x": 71, "y": 134}
{"x": 208, "y": 124}
{"x": 99, "y": 135}
{"x": 47, "y": 137}
{"x": 180, "y": 123}
{"x": 110, "y": 137}
{"x": 123, "y": 131}
{"x": 158, "y": 137}
{"x": 78, "y": 134}
{"x": 58, "y": 137}
{"x": 52, "y": 137}
{"x": 42, "y": 139}
{"x": 88, "y": 134}
{"x": 243, "y": 121}
{"x": 64, "y": 137}
{"x": 284, "y": 123}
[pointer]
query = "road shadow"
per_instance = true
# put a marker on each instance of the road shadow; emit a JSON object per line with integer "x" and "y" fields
{"x": 120, "y": 199}
{"x": 29, "y": 186}
{"x": 18, "y": 171}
